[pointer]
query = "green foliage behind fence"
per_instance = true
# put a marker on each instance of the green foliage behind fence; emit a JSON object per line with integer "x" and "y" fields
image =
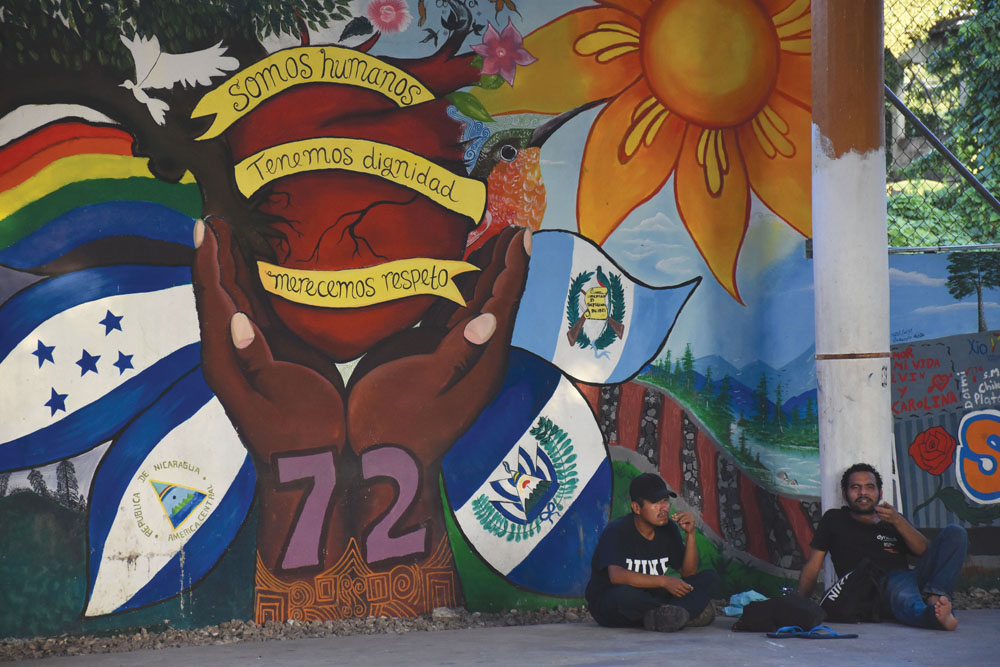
{"x": 941, "y": 61}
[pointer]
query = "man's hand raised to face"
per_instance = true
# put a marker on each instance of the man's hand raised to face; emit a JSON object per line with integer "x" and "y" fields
{"x": 685, "y": 521}
{"x": 888, "y": 513}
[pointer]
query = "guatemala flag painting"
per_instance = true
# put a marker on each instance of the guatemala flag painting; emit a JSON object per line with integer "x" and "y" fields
{"x": 530, "y": 482}
{"x": 587, "y": 316}
{"x": 172, "y": 493}
{"x": 92, "y": 348}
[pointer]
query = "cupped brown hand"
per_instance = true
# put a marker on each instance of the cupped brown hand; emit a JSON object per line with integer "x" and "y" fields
{"x": 424, "y": 401}
{"x": 277, "y": 406}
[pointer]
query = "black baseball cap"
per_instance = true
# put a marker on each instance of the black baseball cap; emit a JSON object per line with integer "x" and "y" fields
{"x": 649, "y": 487}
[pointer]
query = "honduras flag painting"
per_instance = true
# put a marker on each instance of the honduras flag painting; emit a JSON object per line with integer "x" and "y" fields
{"x": 530, "y": 481}
{"x": 91, "y": 350}
{"x": 170, "y": 496}
{"x": 589, "y": 317}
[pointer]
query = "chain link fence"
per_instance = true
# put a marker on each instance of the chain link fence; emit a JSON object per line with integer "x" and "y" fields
{"x": 942, "y": 66}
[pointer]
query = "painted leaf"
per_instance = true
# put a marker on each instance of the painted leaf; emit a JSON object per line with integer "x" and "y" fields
{"x": 491, "y": 81}
{"x": 469, "y": 105}
{"x": 359, "y": 25}
{"x": 956, "y": 504}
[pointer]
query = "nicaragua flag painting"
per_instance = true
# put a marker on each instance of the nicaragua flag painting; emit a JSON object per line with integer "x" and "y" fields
{"x": 530, "y": 482}
{"x": 92, "y": 349}
{"x": 587, "y": 316}
{"x": 171, "y": 494}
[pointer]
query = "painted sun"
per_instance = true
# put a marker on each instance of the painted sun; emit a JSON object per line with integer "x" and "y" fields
{"x": 716, "y": 93}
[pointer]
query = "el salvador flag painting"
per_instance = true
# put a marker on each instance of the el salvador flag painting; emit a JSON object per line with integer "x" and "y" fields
{"x": 587, "y": 316}
{"x": 530, "y": 482}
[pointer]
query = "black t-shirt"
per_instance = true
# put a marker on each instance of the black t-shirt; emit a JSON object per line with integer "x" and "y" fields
{"x": 621, "y": 544}
{"x": 848, "y": 541}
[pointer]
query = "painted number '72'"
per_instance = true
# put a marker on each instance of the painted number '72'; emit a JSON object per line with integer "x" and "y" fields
{"x": 319, "y": 471}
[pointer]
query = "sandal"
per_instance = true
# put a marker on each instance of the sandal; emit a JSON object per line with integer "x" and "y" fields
{"x": 826, "y": 632}
{"x": 788, "y": 631}
{"x": 818, "y": 632}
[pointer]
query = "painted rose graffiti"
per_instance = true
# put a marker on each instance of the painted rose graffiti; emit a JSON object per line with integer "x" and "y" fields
{"x": 933, "y": 450}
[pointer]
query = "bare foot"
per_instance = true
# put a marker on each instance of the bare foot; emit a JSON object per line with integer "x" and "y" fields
{"x": 942, "y": 612}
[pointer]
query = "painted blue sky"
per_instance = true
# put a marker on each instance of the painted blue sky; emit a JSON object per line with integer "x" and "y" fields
{"x": 920, "y": 305}
{"x": 775, "y": 281}
{"x": 774, "y": 277}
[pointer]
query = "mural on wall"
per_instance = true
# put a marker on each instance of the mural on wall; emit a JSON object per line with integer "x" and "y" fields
{"x": 946, "y": 392}
{"x": 278, "y": 269}
{"x": 947, "y": 382}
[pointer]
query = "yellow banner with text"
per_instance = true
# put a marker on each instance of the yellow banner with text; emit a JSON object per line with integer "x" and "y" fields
{"x": 356, "y": 288}
{"x": 465, "y": 196}
{"x": 248, "y": 88}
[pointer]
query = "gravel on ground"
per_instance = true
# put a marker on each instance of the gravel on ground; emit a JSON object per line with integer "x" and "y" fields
{"x": 442, "y": 618}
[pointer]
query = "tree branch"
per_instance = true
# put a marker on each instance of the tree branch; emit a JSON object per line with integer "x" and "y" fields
{"x": 171, "y": 148}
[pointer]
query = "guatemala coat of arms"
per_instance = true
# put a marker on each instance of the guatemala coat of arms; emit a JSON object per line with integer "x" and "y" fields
{"x": 603, "y": 309}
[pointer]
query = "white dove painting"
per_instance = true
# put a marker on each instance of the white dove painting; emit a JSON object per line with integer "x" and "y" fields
{"x": 156, "y": 69}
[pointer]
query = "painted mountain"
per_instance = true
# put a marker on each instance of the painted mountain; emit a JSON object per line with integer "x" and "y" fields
{"x": 797, "y": 377}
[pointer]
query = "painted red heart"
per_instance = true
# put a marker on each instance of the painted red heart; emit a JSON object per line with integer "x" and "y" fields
{"x": 334, "y": 219}
{"x": 398, "y": 225}
{"x": 939, "y": 382}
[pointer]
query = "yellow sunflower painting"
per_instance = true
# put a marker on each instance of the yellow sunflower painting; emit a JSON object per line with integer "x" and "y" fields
{"x": 716, "y": 93}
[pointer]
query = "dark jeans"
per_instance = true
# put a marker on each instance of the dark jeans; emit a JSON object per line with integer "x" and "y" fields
{"x": 935, "y": 574}
{"x": 624, "y": 606}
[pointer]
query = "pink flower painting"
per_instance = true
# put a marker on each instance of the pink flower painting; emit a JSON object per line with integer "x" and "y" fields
{"x": 389, "y": 15}
{"x": 503, "y": 51}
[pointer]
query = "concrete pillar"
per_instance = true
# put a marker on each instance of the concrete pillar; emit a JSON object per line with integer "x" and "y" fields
{"x": 850, "y": 258}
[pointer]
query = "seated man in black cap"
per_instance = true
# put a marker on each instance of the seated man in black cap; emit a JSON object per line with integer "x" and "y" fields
{"x": 629, "y": 585}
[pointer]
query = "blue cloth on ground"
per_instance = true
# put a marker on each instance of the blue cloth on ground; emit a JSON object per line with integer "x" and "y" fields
{"x": 739, "y": 600}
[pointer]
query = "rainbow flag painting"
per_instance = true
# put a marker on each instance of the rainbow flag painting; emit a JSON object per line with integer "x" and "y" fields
{"x": 68, "y": 188}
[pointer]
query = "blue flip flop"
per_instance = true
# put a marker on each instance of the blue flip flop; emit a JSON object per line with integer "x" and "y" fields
{"x": 818, "y": 632}
{"x": 788, "y": 631}
{"x": 826, "y": 632}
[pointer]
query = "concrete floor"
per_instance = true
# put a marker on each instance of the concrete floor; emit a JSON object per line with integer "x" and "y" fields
{"x": 974, "y": 643}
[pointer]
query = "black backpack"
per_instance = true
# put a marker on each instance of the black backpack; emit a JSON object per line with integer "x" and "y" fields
{"x": 769, "y": 615}
{"x": 856, "y": 597}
